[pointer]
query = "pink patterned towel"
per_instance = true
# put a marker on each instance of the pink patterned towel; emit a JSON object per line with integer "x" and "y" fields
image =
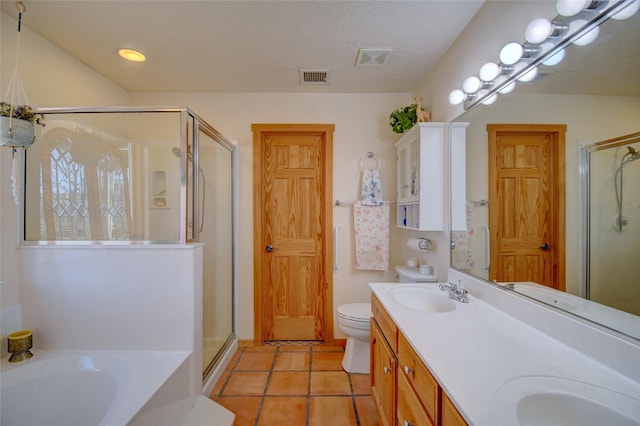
{"x": 371, "y": 225}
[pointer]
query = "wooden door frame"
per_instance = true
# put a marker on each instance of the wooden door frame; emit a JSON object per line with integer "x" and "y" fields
{"x": 558, "y": 178}
{"x": 325, "y": 130}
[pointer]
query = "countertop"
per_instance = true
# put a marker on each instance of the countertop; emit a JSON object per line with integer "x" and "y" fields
{"x": 474, "y": 350}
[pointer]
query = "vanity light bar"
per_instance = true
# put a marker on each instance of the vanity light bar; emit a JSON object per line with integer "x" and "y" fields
{"x": 545, "y": 41}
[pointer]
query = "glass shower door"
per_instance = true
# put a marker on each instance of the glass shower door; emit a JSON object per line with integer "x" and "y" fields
{"x": 214, "y": 228}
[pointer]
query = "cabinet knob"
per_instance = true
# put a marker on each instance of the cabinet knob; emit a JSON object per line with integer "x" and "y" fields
{"x": 407, "y": 370}
{"x": 385, "y": 369}
{"x": 406, "y": 423}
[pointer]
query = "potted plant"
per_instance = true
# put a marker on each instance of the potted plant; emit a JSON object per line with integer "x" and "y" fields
{"x": 403, "y": 119}
{"x": 17, "y": 125}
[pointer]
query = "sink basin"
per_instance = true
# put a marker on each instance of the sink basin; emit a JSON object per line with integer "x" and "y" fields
{"x": 422, "y": 298}
{"x": 542, "y": 400}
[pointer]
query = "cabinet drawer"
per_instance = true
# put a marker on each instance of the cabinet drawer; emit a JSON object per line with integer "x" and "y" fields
{"x": 385, "y": 322}
{"x": 410, "y": 411}
{"x": 411, "y": 367}
{"x": 450, "y": 416}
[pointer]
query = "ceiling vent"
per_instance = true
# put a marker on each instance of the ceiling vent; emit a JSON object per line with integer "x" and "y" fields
{"x": 372, "y": 57}
{"x": 308, "y": 77}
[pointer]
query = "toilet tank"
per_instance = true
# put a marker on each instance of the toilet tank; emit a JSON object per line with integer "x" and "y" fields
{"x": 407, "y": 274}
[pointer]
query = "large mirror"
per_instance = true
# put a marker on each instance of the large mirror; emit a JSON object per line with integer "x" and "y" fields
{"x": 595, "y": 92}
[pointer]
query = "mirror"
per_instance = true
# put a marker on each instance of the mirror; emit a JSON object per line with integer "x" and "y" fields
{"x": 595, "y": 92}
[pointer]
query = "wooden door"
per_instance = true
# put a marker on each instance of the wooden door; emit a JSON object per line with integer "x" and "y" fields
{"x": 292, "y": 232}
{"x": 527, "y": 203}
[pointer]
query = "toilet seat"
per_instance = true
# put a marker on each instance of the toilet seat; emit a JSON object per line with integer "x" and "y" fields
{"x": 359, "y": 312}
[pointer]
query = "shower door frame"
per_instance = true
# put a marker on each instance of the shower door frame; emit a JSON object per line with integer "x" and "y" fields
{"x": 584, "y": 170}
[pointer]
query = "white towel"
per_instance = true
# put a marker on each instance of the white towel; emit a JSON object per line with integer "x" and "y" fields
{"x": 371, "y": 225}
{"x": 371, "y": 188}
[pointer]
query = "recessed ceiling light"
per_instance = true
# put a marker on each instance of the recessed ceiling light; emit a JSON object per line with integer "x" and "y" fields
{"x": 131, "y": 55}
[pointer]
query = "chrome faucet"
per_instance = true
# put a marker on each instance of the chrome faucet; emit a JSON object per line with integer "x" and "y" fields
{"x": 456, "y": 292}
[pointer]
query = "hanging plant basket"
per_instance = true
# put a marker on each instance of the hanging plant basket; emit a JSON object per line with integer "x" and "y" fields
{"x": 16, "y": 133}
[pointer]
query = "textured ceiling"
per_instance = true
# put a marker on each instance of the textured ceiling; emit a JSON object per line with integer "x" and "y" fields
{"x": 251, "y": 46}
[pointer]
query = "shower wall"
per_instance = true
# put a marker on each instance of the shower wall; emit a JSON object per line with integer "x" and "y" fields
{"x": 613, "y": 254}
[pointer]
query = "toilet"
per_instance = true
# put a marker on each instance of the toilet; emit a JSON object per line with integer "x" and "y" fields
{"x": 354, "y": 321}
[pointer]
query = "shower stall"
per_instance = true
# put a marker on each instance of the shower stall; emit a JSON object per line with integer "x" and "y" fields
{"x": 144, "y": 177}
{"x": 611, "y": 216}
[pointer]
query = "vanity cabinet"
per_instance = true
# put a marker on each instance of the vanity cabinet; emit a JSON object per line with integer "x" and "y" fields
{"x": 403, "y": 389}
{"x": 383, "y": 363}
{"x": 420, "y": 180}
{"x": 422, "y": 385}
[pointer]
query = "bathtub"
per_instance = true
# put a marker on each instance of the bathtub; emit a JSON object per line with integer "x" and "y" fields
{"x": 83, "y": 388}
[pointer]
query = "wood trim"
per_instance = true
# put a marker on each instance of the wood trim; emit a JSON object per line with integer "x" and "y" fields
{"x": 558, "y": 175}
{"x": 327, "y": 180}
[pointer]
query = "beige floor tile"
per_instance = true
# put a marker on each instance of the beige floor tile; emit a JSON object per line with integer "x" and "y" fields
{"x": 256, "y": 361}
{"x": 331, "y": 410}
{"x": 330, "y": 383}
{"x": 295, "y": 348}
{"x": 288, "y": 383}
{"x": 246, "y": 383}
{"x": 367, "y": 413}
{"x": 328, "y": 348}
{"x": 234, "y": 360}
{"x": 217, "y": 389}
{"x": 292, "y": 361}
{"x": 283, "y": 410}
{"x": 265, "y": 348}
{"x": 361, "y": 384}
{"x": 244, "y": 407}
{"x": 327, "y": 361}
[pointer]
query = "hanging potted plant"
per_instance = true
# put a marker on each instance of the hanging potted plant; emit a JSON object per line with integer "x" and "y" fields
{"x": 17, "y": 125}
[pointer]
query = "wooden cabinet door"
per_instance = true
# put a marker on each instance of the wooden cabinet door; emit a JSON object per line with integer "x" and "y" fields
{"x": 410, "y": 411}
{"x": 383, "y": 376}
{"x": 450, "y": 415}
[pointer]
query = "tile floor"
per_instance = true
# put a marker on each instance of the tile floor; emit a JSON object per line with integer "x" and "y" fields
{"x": 294, "y": 385}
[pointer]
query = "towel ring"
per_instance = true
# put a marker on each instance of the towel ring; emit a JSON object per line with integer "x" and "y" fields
{"x": 369, "y": 156}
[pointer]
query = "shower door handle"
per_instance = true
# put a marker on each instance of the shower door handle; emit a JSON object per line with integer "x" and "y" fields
{"x": 545, "y": 247}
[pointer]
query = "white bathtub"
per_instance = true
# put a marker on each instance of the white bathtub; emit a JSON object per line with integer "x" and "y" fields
{"x": 85, "y": 388}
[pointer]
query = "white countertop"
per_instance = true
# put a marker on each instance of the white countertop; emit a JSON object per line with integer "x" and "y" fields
{"x": 475, "y": 349}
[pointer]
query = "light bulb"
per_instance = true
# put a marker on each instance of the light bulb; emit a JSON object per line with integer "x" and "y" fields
{"x": 511, "y": 53}
{"x": 456, "y": 97}
{"x": 588, "y": 37}
{"x": 628, "y": 11}
{"x": 554, "y": 59}
{"x": 538, "y": 30}
{"x": 571, "y": 7}
{"x": 471, "y": 84}
{"x": 491, "y": 99}
{"x": 489, "y": 71}
{"x": 529, "y": 75}
{"x": 508, "y": 88}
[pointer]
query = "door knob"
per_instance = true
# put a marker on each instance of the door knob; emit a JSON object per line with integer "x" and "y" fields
{"x": 269, "y": 248}
{"x": 545, "y": 247}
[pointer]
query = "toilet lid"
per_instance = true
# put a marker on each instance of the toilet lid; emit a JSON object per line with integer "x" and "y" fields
{"x": 355, "y": 311}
